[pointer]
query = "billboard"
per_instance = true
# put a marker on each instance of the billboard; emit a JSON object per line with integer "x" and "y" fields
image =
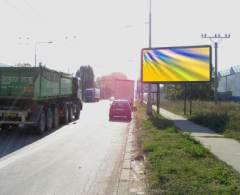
{"x": 176, "y": 64}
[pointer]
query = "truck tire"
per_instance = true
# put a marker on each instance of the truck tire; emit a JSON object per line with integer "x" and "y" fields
{"x": 77, "y": 113}
{"x": 129, "y": 117}
{"x": 70, "y": 112}
{"x": 41, "y": 126}
{"x": 49, "y": 119}
{"x": 65, "y": 117}
{"x": 4, "y": 127}
{"x": 56, "y": 117}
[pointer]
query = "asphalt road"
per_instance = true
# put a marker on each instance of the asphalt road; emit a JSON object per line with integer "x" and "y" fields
{"x": 80, "y": 158}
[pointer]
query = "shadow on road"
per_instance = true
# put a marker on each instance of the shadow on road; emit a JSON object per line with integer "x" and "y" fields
{"x": 16, "y": 138}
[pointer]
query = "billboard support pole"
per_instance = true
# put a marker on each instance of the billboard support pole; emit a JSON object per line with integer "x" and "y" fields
{"x": 149, "y": 100}
{"x": 158, "y": 98}
{"x": 190, "y": 101}
{"x": 185, "y": 99}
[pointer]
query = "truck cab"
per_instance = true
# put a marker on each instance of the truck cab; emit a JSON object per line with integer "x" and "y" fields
{"x": 92, "y": 95}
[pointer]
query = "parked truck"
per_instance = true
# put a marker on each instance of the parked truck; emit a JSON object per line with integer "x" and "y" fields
{"x": 92, "y": 95}
{"x": 38, "y": 96}
{"x": 124, "y": 89}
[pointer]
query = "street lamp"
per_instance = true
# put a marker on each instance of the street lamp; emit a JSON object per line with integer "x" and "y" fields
{"x": 149, "y": 97}
{"x": 36, "y": 44}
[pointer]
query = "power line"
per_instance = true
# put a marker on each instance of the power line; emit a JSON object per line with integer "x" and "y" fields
{"x": 7, "y": 2}
{"x": 33, "y": 9}
{"x": 23, "y": 11}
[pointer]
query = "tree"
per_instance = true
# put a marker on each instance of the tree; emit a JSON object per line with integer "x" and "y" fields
{"x": 197, "y": 91}
{"x": 86, "y": 75}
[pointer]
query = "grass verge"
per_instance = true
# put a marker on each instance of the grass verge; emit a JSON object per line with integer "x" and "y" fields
{"x": 177, "y": 164}
{"x": 223, "y": 118}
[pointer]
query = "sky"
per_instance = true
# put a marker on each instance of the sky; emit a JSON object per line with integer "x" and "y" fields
{"x": 109, "y": 34}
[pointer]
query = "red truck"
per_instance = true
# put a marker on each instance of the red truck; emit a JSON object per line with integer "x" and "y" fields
{"x": 124, "y": 89}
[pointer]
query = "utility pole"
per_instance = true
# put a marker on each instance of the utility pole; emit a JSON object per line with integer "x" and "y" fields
{"x": 149, "y": 100}
{"x": 216, "y": 39}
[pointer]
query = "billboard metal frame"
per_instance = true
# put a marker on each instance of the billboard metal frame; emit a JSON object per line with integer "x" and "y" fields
{"x": 178, "y": 82}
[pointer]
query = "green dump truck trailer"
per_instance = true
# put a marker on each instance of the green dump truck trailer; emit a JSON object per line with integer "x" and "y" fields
{"x": 38, "y": 96}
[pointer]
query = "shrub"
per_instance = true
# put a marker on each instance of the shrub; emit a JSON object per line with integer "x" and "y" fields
{"x": 213, "y": 120}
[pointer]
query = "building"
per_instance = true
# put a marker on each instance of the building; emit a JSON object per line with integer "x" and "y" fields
{"x": 229, "y": 83}
{"x": 4, "y": 65}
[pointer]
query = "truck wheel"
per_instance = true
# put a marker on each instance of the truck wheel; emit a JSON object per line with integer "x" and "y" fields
{"x": 77, "y": 113}
{"x": 70, "y": 112}
{"x": 65, "y": 117}
{"x": 56, "y": 118}
{"x": 4, "y": 127}
{"x": 49, "y": 119}
{"x": 41, "y": 126}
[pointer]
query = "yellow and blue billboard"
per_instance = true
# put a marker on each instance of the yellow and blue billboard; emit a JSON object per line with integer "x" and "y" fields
{"x": 176, "y": 64}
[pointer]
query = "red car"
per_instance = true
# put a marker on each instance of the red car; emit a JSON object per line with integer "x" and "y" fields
{"x": 120, "y": 109}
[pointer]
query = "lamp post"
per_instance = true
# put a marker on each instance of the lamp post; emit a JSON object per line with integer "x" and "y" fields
{"x": 36, "y": 44}
{"x": 216, "y": 40}
{"x": 149, "y": 100}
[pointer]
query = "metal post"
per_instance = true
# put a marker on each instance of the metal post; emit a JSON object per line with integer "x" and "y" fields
{"x": 190, "y": 100}
{"x": 150, "y": 23}
{"x": 158, "y": 98}
{"x": 185, "y": 99}
{"x": 35, "y": 58}
{"x": 226, "y": 83}
{"x": 149, "y": 101}
{"x": 216, "y": 74}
